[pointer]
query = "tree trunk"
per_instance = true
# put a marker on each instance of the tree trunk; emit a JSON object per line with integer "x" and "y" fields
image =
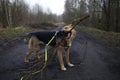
{"x": 117, "y": 16}
{"x": 108, "y": 16}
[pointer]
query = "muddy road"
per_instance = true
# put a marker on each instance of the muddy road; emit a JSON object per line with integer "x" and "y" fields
{"x": 92, "y": 61}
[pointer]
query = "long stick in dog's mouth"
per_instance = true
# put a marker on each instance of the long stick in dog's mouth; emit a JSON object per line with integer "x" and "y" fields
{"x": 77, "y": 21}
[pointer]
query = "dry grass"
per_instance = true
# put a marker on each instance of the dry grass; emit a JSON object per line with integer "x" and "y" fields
{"x": 14, "y": 32}
{"x": 109, "y": 38}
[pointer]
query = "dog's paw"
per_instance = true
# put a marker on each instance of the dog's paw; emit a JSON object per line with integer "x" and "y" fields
{"x": 63, "y": 69}
{"x": 70, "y": 65}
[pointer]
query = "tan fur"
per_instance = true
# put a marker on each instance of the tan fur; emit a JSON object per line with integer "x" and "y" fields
{"x": 34, "y": 46}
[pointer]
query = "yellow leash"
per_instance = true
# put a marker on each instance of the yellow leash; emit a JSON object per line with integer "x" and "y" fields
{"x": 46, "y": 58}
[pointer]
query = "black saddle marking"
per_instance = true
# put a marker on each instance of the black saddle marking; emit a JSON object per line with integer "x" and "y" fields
{"x": 45, "y": 36}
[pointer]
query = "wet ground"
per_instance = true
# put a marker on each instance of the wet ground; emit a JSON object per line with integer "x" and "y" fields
{"x": 92, "y": 61}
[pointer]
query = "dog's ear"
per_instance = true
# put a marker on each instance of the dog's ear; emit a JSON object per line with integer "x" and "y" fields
{"x": 67, "y": 27}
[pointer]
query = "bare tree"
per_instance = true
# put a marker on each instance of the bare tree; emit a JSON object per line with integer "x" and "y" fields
{"x": 117, "y": 16}
{"x": 4, "y": 13}
{"x": 74, "y": 9}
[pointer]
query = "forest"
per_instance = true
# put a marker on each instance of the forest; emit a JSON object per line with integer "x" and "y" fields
{"x": 104, "y": 14}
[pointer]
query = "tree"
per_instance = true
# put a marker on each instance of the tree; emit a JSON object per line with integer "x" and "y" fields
{"x": 74, "y": 9}
{"x": 5, "y": 16}
{"x": 19, "y": 12}
{"x": 15, "y": 13}
{"x": 105, "y": 14}
{"x": 111, "y": 16}
{"x": 117, "y": 16}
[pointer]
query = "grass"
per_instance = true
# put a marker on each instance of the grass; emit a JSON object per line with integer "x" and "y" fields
{"x": 14, "y": 32}
{"x": 111, "y": 39}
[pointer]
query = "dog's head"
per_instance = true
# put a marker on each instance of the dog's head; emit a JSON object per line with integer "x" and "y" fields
{"x": 66, "y": 36}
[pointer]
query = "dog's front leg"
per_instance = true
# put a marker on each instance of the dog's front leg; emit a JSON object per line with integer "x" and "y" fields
{"x": 68, "y": 57}
{"x": 60, "y": 58}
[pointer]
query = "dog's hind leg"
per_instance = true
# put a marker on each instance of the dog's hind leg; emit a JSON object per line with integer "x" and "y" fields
{"x": 37, "y": 50}
{"x": 38, "y": 54}
{"x": 27, "y": 55}
{"x": 30, "y": 50}
{"x": 68, "y": 57}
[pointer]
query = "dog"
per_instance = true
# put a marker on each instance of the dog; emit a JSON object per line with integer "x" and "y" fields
{"x": 62, "y": 42}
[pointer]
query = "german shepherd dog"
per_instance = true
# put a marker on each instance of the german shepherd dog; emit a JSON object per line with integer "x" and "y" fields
{"x": 62, "y": 42}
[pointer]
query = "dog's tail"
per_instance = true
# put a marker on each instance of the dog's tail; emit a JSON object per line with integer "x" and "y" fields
{"x": 27, "y": 38}
{"x": 30, "y": 42}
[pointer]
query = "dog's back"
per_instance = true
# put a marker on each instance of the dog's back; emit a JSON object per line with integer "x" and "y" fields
{"x": 44, "y": 36}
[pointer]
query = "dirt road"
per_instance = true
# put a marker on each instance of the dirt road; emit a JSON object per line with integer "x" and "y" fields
{"x": 92, "y": 62}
